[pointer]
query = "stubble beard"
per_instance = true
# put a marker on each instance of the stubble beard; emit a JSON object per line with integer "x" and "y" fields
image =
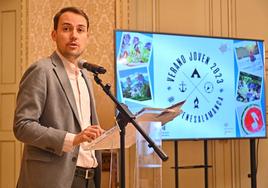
{"x": 72, "y": 55}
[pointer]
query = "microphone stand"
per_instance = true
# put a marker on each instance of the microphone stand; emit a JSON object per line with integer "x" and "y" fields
{"x": 123, "y": 118}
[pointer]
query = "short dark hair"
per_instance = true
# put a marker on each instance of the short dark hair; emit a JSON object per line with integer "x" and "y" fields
{"x": 69, "y": 9}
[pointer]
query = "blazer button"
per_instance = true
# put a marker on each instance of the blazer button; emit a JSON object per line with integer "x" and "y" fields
{"x": 74, "y": 159}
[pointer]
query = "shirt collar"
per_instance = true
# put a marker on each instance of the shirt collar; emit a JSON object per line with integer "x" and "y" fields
{"x": 72, "y": 70}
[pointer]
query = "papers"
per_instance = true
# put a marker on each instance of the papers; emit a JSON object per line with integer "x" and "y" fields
{"x": 162, "y": 115}
{"x": 110, "y": 139}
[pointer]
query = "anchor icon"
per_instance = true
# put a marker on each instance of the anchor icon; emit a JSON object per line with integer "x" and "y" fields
{"x": 182, "y": 87}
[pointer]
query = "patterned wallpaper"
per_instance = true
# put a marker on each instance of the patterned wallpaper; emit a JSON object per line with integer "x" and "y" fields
{"x": 101, "y": 46}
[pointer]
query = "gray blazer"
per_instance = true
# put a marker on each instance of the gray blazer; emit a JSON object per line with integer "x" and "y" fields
{"x": 45, "y": 112}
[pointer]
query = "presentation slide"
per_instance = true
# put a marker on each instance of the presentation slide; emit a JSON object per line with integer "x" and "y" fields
{"x": 221, "y": 81}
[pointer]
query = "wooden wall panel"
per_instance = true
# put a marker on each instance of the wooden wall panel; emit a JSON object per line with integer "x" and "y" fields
{"x": 251, "y": 18}
{"x": 8, "y": 47}
{"x": 7, "y": 168}
{"x": 184, "y": 16}
{"x": 8, "y": 164}
{"x": 168, "y": 171}
{"x": 10, "y": 156}
{"x": 191, "y": 153}
{"x": 7, "y": 106}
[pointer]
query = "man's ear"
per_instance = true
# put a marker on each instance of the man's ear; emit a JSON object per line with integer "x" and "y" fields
{"x": 53, "y": 35}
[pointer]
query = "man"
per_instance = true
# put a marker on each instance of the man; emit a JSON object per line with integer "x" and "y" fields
{"x": 56, "y": 112}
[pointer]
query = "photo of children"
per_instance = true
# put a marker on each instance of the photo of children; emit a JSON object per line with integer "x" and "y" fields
{"x": 135, "y": 84}
{"x": 135, "y": 49}
{"x": 249, "y": 87}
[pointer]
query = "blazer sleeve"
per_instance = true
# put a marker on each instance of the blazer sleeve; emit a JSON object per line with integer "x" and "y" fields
{"x": 31, "y": 100}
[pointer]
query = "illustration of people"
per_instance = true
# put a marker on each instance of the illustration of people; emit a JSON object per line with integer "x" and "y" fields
{"x": 125, "y": 48}
{"x": 134, "y": 50}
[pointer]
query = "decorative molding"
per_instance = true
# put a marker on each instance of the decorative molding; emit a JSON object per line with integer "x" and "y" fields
{"x": 122, "y": 14}
{"x": 154, "y": 14}
{"x": 24, "y": 36}
{"x": 6, "y": 113}
{"x": 232, "y": 18}
{"x": 8, "y": 46}
{"x": 210, "y": 16}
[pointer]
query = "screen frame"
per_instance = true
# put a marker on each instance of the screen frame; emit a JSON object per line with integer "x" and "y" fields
{"x": 203, "y": 36}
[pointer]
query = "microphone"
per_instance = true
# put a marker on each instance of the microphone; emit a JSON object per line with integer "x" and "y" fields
{"x": 96, "y": 69}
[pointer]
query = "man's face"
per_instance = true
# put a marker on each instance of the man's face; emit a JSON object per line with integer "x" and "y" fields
{"x": 71, "y": 35}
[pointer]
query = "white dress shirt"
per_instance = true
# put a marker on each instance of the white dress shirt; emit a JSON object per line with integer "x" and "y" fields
{"x": 86, "y": 158}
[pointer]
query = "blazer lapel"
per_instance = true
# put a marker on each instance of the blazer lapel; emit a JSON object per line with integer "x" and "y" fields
{"x": 65, "y": 83}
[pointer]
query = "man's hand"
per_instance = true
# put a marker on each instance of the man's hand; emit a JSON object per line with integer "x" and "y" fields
{"x": 88, "y": 134}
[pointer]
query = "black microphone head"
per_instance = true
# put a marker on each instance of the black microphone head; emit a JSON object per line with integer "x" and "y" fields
{"x": 81, "y": 63}
{"x": 96, "y": 69}
{"x": 101, "y": 70}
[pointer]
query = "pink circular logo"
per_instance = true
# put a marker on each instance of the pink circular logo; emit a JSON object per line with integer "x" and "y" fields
{"x": 252, "y": 119}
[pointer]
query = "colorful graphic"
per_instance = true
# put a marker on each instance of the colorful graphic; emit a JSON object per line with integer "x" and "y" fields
{"x": 249, "y": 87}
{"x": 221, "y": 81}
{"x": 135, "y": 84}
{"x": 248, "y": 51}
{"x": 248, "y": 56}
{"x": 252, "y": 121}
{"x": 135, "y": 49}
